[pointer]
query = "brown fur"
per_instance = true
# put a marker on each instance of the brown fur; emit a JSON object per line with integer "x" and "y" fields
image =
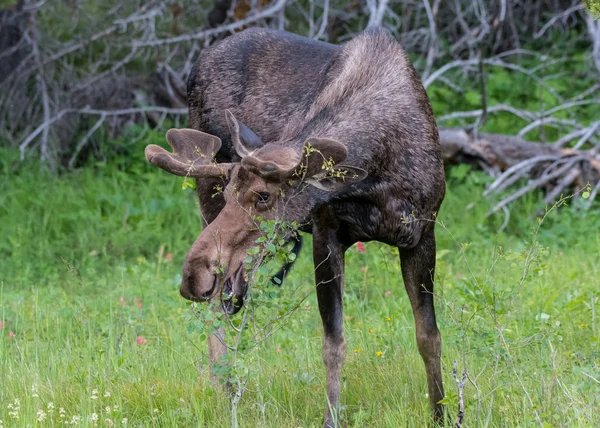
{"x": 360, "y": 104}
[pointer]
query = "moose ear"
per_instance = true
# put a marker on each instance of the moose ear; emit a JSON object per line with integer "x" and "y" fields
{"x": 337, "y": 178}
{"x": 244, "y": 140}
{"x": 321, "y": 165}
{"x": 319, "y": 154}
{"x": 192, "y": 153}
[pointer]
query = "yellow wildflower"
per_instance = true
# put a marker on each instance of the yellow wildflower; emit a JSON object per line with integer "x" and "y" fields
{"x": 357, "y": 350}
{"x": 379, "y": 353}
{"x": 388, "y": 319}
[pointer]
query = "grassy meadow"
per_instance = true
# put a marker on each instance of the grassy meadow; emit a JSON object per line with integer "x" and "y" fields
{"x": 93, "y": 330}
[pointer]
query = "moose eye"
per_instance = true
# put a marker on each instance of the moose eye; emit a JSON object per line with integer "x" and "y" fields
{"x": 263, "y": 197}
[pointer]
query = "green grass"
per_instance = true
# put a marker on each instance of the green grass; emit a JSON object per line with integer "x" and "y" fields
{"x": 74, "y": 245}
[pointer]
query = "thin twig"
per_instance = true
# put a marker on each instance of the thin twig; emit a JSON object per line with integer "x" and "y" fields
{"x": 84, "y": 140}
{"x": 460, "y": 385}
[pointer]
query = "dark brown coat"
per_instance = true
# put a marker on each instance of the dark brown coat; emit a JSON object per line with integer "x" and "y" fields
{"x": 362, "y": 106}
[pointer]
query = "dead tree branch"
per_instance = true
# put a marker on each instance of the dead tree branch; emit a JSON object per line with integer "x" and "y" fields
{"x": 377, "y": 11}
{"x": 514, "y": 158}
{"x": 460, "y": 385}
{"x": 268, "y": 12}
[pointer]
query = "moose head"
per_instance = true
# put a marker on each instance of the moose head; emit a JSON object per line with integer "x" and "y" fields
{"x": 271, "y": 181}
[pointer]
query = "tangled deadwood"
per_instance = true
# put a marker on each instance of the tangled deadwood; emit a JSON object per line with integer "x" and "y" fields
{"x": 509, "y": 159}
{"x": 72, "y": 73}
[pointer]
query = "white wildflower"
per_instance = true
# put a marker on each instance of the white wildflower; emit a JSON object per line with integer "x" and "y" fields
{"x": 51, "y": 407}
{"x": 108, "y": 422}
{"x": 124, "y": 421}
{"x": 62, "y": 413}
{"x": 34, "y": 391}
{"x": 116, "y": 407}
{"x": 107, "y": 394}
{"x": 94, "y": 417}
{"x": 107, "y": 409}
{"x": 14, "y": 408}
{"x": 75, "y": 420}
{"x": 41, "y": 415}
{"x": 94, "y": 394}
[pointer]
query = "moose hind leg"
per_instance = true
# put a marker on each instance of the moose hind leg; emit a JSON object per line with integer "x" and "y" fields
{"x": 418, "y": 268}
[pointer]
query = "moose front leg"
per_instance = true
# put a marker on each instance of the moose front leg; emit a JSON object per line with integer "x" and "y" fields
{"x": 216, "y": 351}
{"x": 328, "y": 256}
{"x": 418, "y": 267}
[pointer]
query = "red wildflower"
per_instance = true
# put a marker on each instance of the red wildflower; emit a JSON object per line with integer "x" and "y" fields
{"x": 122, "y": 300}
{"x": 459, "y": 275}
{"x": 278, "y": 351}
{"x": 138, "y": 302}
{"x": 140, "y": 340}
{"x": 363, "y": 269}
{"x": 1, "y": 324}
{"x": 169, "y": 256}
{"x": 11, "y": 334}
{"x": 360, "y": 247}
{"x": 388, "y": 293}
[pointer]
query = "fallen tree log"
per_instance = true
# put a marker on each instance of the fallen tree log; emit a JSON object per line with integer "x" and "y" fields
{"x": 508, "y": 159}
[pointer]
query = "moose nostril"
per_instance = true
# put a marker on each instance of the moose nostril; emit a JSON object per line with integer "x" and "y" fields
{"x": 195, "y": 287}
{"x": 208, "y": 294}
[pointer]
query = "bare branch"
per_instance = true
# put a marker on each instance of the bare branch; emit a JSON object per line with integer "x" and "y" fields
{"x": 555, "y": 18}
{"x": 140, "y": 14}
{"x": 105, "y": 113}
{"x": 270, "y": 11}
{"x": 324, "y": 20}
{"x": 431, "y": 15}
{"x": 460, "y": 385}
{"x": 376, "y": 12}
{"x": 594, "y": 33}
{"x": 84, "y": 140}
{"x": 532, "y": 185}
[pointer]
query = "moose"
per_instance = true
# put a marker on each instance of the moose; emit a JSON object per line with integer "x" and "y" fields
{"x": 341, "y": 139}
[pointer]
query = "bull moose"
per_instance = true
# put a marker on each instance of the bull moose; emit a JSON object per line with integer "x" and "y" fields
{"x": 341, "y": 139}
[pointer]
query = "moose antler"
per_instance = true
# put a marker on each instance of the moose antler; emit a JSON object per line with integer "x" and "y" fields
{"x": 193, "y": 152}
{"x": 320, "y": 160}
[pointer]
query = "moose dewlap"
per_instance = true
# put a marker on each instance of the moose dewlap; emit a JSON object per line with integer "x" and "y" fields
{"x": 339, "y": 139}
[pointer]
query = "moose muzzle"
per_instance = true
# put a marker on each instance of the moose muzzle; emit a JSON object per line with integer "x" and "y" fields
{"x": 214, "y": 270}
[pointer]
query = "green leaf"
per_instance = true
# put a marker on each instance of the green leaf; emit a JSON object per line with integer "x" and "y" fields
{"x": 188, "y": 184}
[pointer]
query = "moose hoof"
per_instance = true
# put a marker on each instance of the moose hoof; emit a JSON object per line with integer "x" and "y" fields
{"x": 331, "y": 423}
